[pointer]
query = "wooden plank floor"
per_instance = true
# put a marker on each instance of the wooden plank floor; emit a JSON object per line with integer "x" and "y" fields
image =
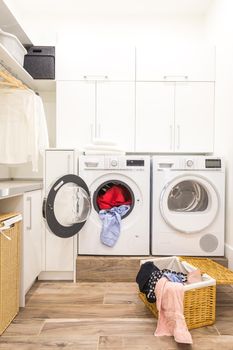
{"x": 104, "y": 316}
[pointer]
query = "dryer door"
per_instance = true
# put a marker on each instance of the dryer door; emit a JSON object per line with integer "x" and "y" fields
{"x": 67, "y": 206}
{"x": 189, "y": 203}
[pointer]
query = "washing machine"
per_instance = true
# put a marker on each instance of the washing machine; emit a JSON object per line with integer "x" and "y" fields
{"x": 133, "y": 174}
{"x": 188, "y": 205}
{"x": 71, "y": 206}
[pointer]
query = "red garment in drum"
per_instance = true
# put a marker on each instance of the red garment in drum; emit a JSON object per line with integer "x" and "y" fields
{"x": 114, "y": 197}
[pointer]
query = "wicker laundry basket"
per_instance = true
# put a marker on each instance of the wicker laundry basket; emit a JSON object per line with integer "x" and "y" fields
{"x": 199, "y": 299}
{"x": 9, "y": 270}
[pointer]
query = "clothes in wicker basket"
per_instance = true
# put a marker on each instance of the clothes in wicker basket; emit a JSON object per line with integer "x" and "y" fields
{"x": 149, "y": 274}
{"x": 171, "y": 321}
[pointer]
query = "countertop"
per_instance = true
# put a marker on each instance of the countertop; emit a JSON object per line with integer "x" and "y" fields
{"x": 15, "y": 187}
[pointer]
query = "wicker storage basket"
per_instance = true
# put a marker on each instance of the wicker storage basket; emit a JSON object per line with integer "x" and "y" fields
{"x": 9, "y": 271}
{"x": 199, "y": 299}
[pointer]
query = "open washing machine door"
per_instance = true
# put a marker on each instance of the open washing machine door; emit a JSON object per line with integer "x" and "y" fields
{"x": 67, "y": 206}
{"x": 189, "y": 203}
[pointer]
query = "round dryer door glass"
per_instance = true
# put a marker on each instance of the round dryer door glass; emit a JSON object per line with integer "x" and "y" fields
{"x": 189, "y": 203}
{"x": 71, "y": 205}
{"x": 188, "y": 196}
{"x": 67, "y": 206}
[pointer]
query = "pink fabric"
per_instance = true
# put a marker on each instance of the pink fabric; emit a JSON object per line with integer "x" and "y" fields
{"x": 169, "y": 303}
{"x": 194, "y": 276}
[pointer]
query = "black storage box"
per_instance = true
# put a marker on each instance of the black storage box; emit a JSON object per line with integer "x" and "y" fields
{"x": 40, "y": 62}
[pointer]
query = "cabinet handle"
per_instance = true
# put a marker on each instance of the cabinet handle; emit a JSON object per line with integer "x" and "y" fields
{"x": 171, "y": 137}
{"x": 99, "y": 129}
{"x": 91, "y": 127}
{"x": 178, "y": 136}
{"x": 176, "y": 76}
{"x": 68, "y": 163}
{"x": 29, "y": 199}
{"x": 95, "y": 77}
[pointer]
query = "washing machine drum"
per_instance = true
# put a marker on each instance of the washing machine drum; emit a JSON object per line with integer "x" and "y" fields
{"x": 67, "y": 206}
{"x": 189, "y": 204}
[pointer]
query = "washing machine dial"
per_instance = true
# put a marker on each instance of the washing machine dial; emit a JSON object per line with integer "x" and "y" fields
{"x": 189, "y": 163}
{"x": 114, "y": 162}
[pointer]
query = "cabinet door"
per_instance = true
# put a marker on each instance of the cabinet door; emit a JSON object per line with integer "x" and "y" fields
{"x": 58, "y": 251}
{"x": 116, "y": 113}
{"x": 176, "y": 63}
{"x": 75, "y": 113}
{"x": 32, "y": 238}
{"x": 76, "y": 60}
{"x": 194, "y": 117}
{"x": 154, "y": 117}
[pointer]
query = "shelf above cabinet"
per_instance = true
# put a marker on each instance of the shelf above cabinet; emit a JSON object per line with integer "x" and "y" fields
{"x": 9, "y": 62}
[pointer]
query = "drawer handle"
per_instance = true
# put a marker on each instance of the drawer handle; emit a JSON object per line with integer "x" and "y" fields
{"x": 175, "y": 76}
{"x": 95, "y": 77}
{"x": 29, "y": 199}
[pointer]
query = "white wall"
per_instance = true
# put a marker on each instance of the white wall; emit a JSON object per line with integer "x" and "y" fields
{"x": 219, "y": 30}
{"x": 134, "y": 20}
{"x": 149, "y": 29}
{"x": 4, "y": 172}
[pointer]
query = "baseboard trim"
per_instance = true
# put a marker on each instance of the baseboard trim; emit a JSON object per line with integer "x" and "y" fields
{"x": 56, "y": 276}
{"x": 229, "y": 255}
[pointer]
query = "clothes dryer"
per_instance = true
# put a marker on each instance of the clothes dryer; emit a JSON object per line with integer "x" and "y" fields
{"x": 188, "y": 205}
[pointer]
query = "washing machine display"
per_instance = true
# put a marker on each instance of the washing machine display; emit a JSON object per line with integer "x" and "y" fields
{"x": 67, "y": 206}
{"x": 188, "y": 205}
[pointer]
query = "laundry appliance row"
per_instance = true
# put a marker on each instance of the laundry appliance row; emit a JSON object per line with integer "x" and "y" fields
{"x": 186, "y": 192}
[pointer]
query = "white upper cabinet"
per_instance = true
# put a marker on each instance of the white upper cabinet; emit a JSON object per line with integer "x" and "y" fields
{"x": 194, "y": 117}
{"x": 186, "y": 63}
{"x": 154, "y": 117}
{"x": 93, "y": 61}
{"x": 75, "y": 113}
{"x": 115, "y": 117}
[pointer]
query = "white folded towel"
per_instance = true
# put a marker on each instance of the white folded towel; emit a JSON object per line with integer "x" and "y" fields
{"x": 103, "y": 152}
{"x": 101, "y": 148}
{"x": 97, "y": 141}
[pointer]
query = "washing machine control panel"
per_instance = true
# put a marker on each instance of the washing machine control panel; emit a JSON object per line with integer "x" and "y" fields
{"x": 189, "y": 163}
{"x": 114, "y": 163}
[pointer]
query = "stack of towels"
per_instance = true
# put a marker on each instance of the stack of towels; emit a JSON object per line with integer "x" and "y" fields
{"x": 101, "y": 146}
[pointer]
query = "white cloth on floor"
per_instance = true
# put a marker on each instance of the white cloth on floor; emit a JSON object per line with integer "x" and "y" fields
{"x": 23, "y": 128}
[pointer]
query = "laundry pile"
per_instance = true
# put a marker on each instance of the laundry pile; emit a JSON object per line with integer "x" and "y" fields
{"x": 104, "y": 147}
{"x": 114, "y": 201}
{"x": 23, "y": 129}
{"x": 166, "y": 288}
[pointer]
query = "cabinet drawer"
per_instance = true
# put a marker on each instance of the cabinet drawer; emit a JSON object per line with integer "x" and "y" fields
{"x": 186, "y": 63}
{"x": 76, "y": 60}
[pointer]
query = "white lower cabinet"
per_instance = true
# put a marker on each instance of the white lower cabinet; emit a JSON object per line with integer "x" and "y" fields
{"x": 175, "y": 117}
{"x": 58, "y": 253}
{"x": 31, "y": 238}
